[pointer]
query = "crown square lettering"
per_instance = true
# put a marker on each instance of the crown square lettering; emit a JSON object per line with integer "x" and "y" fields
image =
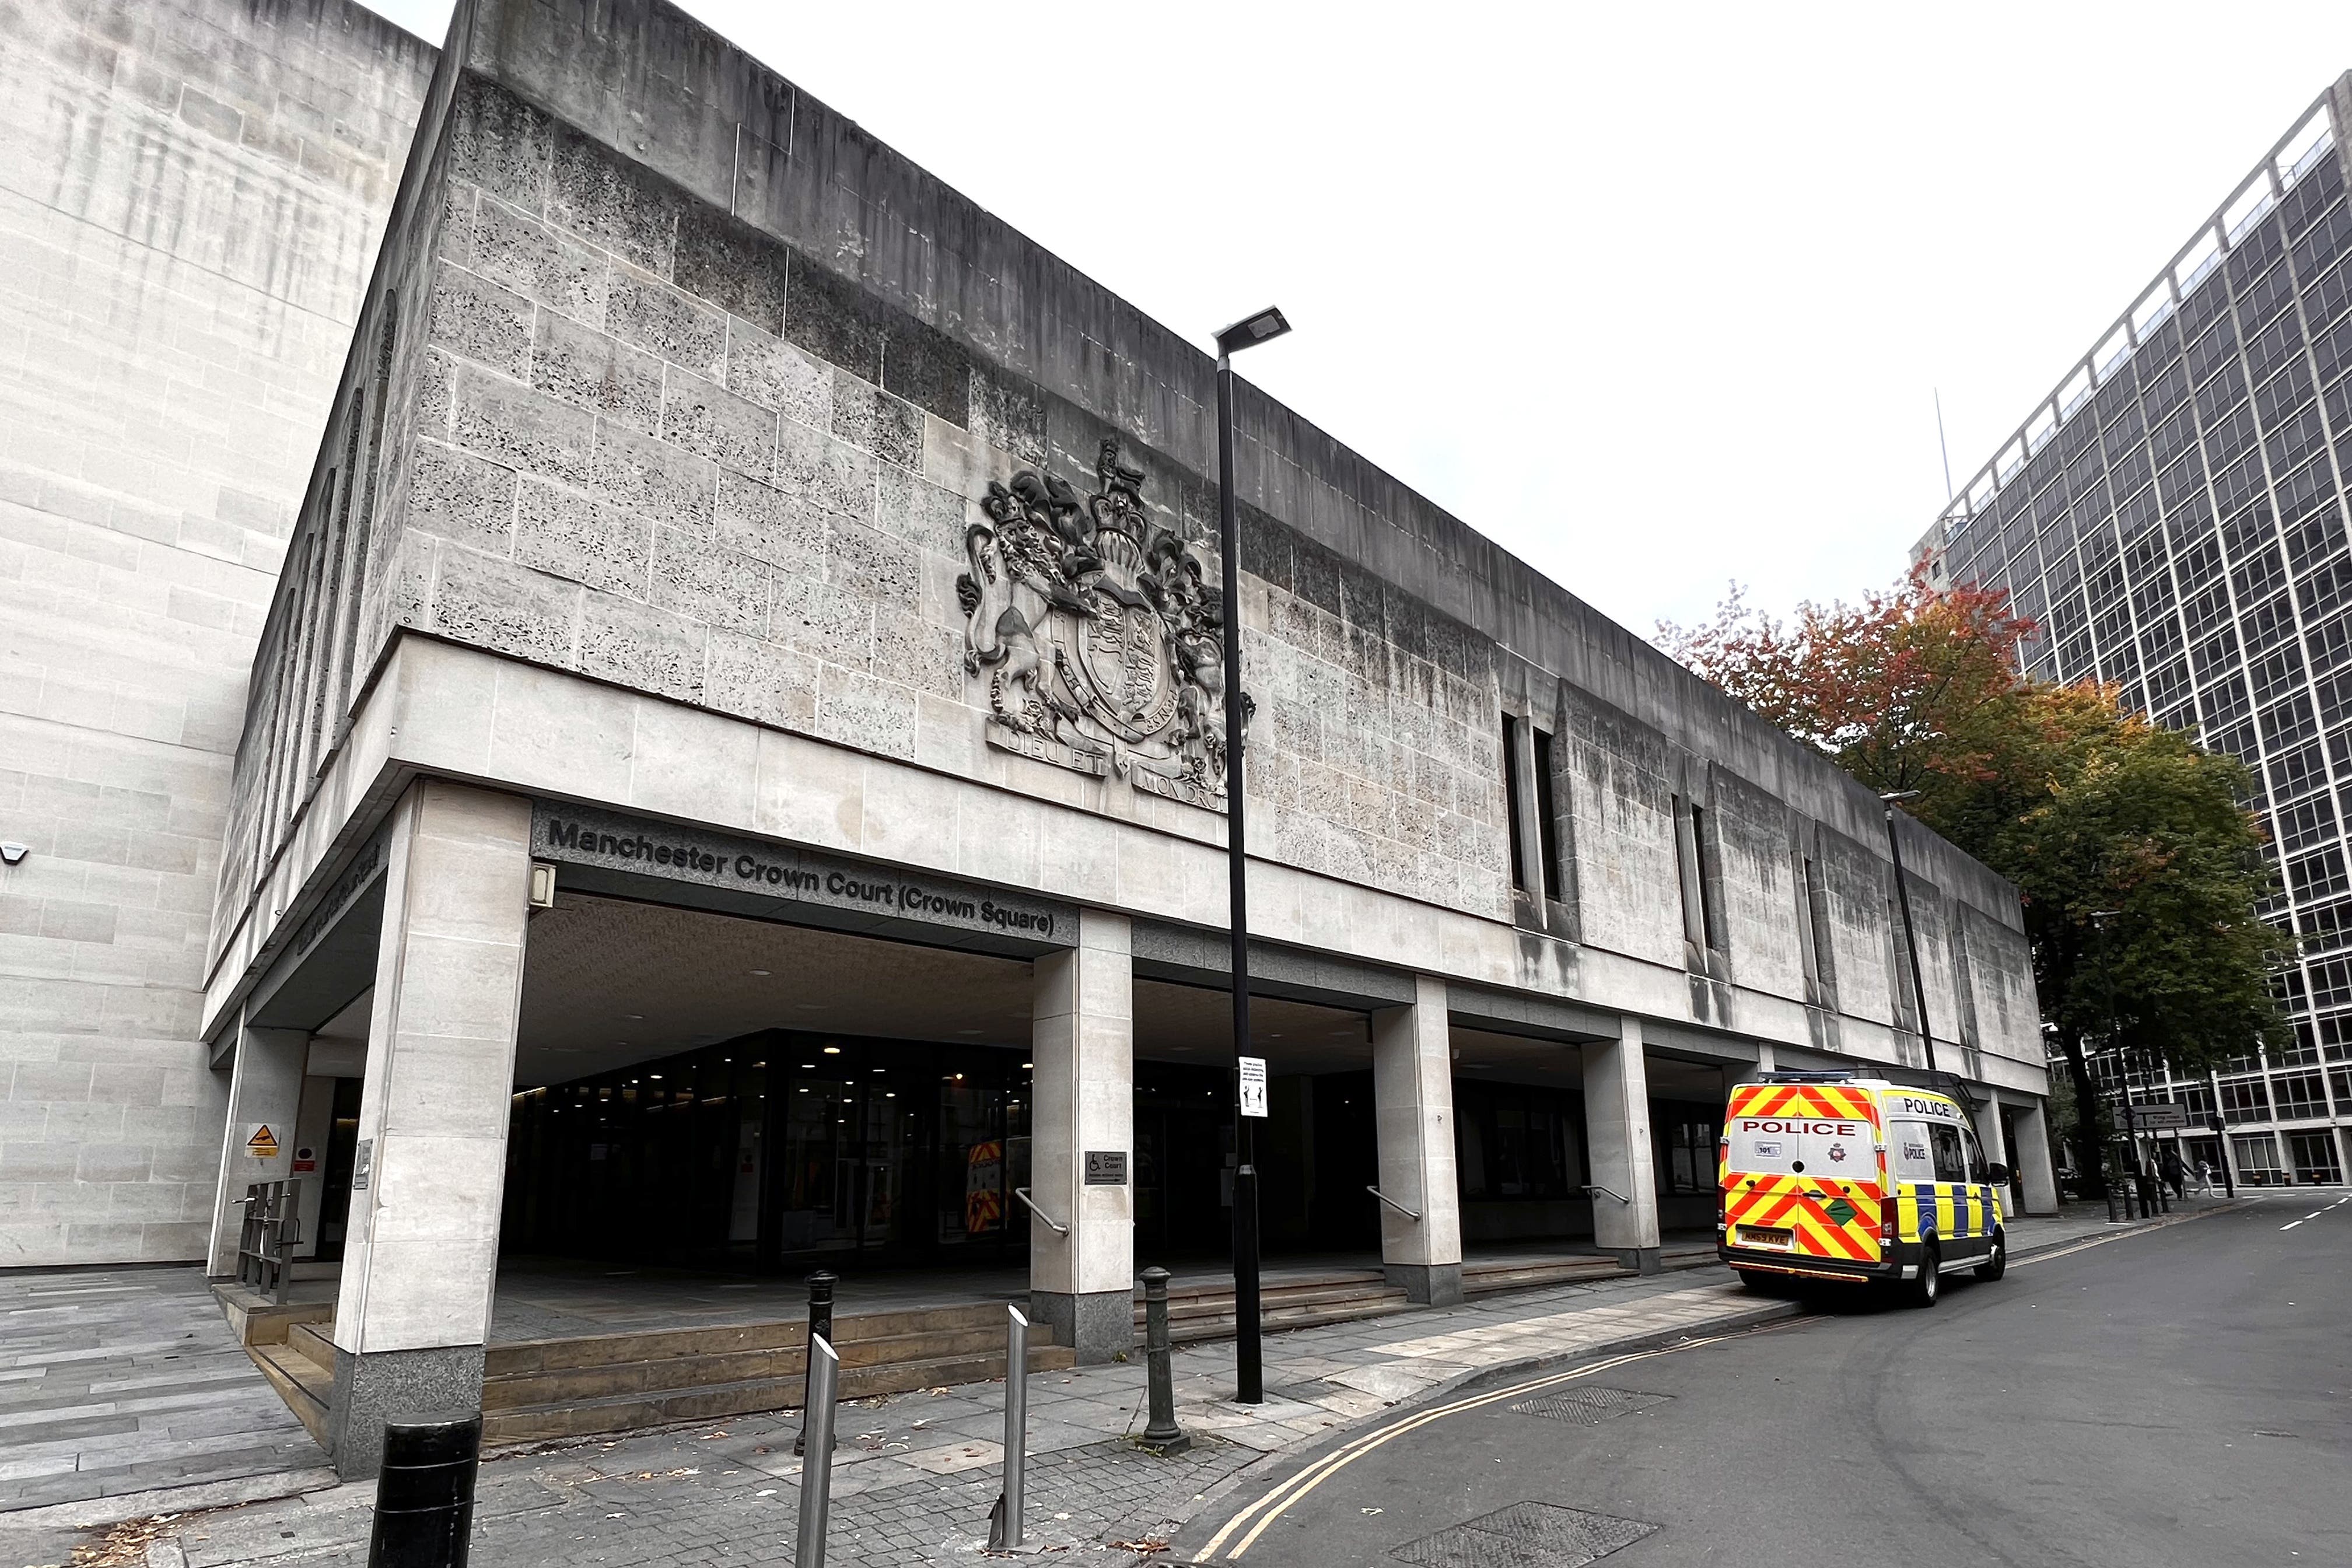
{"x": 1099, "y": 634}
{"x": 586, "y": 836}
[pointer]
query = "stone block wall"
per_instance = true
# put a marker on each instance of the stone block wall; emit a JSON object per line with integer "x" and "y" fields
{"x": 652, "y": 445}
{"x": 190, "y": 198}
{"x": 694, "y": 389}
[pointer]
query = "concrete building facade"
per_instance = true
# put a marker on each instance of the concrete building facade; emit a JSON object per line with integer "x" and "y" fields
{"x": 2173, "y": 515}
{"x": 730, "y": 773}
{"x": 191, "y": 197}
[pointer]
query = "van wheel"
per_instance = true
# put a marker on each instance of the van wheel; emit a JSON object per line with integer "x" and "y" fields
{"x": 1996, "y": 1263}
{"x": 1929, "y": 1286}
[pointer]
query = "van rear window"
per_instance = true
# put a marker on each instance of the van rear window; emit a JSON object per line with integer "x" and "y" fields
{"x": 1808, "y": 1145}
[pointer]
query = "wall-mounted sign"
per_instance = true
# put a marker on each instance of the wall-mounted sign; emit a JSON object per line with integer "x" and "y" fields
{"x": 1106, "y": 1167}
{"x": 362, "y": 1163}
{"x": 260, "y": 1140}
{"x": 1253, "y": 1086}
{"x": 306, "y": 1159}
{"x": 585, "y": 836}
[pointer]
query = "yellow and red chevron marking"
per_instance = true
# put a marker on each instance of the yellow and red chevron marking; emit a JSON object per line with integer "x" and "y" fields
{"x": 1807, "y": 1100}
{"x": 1799, "y": 1205}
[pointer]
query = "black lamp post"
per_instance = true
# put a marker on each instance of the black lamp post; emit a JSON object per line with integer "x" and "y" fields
{"x": 1248, "y": 1351}
{"x": 1910, "y": 936}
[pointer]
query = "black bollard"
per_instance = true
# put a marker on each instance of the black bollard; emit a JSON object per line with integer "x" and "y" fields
{"x": 1160, "y": 1434}
{"x": 425, "y": 1493}
{"x": 820, "y": 1284}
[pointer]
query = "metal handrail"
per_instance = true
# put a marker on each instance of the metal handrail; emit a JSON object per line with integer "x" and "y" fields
{"x": 1394, "y": 1204}
{"x": 1059, "y": 1227}
{"x": 268, "y": 1235}
{"x": 1591, "y": 1188}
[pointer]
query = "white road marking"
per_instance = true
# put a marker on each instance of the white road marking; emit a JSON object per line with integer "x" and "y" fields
{"x": 2291, "y": 1224}
{"x": 2314, "y": 1214}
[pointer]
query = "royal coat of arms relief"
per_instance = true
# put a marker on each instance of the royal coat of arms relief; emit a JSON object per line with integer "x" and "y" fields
{"x": 1098, "y": 633}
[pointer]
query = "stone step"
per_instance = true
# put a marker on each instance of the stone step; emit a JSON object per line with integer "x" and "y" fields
{"x": 782, "y": 1333}
{"x": 1222, "y": 1325}
{"x": 315, "y": 1344}
{"x": 1209, "y": 1304}
{"x": 630, "y": 1412}
{"x": 1269, "y": 1285}
{"x": 257, "y": 1320}
{"x": 1481, "y": 1279}
{"x": 629, "y": 1370}
{"x": 299, "y": 1382}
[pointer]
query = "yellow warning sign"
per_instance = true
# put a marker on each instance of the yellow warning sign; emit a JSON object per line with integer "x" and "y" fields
{"x": 263, "y": 1144}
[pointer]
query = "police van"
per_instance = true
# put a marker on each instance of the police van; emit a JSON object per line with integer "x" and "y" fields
{"x": 1830, "y": 1178}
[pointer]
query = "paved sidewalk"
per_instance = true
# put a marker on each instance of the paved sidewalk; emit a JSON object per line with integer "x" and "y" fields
{"x": 122, "y": 1381}
{"x": 915, "y": 1473}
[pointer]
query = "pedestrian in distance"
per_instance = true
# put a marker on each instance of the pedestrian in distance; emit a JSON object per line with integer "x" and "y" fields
{"x": 2204, "y": 1179}
{"x": 2176, "y": 1175}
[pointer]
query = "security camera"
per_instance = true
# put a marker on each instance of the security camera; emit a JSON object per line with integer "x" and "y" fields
{"x": 12, "y": 853}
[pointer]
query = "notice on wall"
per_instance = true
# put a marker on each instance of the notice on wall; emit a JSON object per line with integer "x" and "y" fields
{"x": 363, "y": 1165}
{"x": 260, "y": 1140}
{"x": 1106, "y": 1167}
{"x": 1253, "y": 1086}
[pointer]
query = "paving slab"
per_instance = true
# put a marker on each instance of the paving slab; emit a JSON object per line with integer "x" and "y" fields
{"x": 122, "y": 1380}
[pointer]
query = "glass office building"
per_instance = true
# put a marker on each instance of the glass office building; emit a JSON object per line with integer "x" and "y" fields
{"x": 2173, "y": 515}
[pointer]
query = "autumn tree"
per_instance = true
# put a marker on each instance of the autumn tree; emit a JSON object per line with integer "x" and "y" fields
{"x": 2138, "y": 865}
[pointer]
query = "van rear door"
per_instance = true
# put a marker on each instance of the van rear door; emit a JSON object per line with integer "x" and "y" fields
{"x": 1801, "y": 1171}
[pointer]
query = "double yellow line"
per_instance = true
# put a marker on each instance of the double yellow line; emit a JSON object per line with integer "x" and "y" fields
{"x": 1295, "y": 1490}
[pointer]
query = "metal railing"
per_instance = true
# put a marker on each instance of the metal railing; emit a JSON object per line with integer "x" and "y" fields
{"x": 1591, "y": 1188}
{"x": 1057, "y": 1227}
{"x": 1408, "y": 1214}
{"x": 266, "y": 1242}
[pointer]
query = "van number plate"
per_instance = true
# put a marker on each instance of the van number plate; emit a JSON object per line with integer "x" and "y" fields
{"x": 1765, "y": 1235}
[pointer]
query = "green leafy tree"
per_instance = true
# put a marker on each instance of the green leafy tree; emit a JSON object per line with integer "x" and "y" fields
{"x": 2139, "y": 866}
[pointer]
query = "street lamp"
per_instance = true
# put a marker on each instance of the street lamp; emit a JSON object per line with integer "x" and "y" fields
{"x": 1249, "y": 1354}
{"x": 1910, "y": 936}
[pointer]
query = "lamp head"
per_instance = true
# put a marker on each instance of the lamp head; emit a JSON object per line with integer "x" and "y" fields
{"x": 12, "y": 853}
{"x": 1891, "y": 795}
{"x": 1251, "y": 331}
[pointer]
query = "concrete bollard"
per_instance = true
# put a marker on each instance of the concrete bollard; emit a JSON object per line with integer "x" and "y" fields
{"x": 1004, "y": 1519}
{"x": 816, "y": 1469}
{"x": 1161, "y": 1432}
{"x": 425, "y": 1493}
{"x": 820, "y": 1288}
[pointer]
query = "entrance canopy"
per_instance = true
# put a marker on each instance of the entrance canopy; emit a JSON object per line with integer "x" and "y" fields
{"x": 609, "y": 983}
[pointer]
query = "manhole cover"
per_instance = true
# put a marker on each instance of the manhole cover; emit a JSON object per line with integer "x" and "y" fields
{"x": 1524, "y": 1535}
{"x": 1587, "y": 1406}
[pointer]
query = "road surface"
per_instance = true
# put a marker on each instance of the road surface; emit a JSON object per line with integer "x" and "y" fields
{"x": 2178, "y": 1397}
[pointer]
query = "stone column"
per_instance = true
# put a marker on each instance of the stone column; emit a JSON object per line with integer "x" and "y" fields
{"x": 420, "y": 1260}
{"x": 1082, "y": 1025}
{"x": 264, "y": 1089}
{"x": 1617, "y": 1128}
{"x": 1413, "y": 1091}
{"x": 1765, "y": 1056}
{"x": 2037, "y": 1177}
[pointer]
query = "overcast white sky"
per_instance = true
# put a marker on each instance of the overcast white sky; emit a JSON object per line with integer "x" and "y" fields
{"x": 1655, "y": 296}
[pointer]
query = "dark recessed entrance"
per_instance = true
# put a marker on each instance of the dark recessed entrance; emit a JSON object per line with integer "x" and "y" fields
{"x": 779, "y": 1150}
